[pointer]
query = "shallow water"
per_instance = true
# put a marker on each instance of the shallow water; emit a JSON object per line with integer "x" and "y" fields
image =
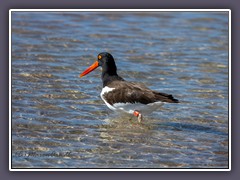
{"x": 59, "y": 119}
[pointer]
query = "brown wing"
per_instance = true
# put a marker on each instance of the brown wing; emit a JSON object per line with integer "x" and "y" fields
{"x": 128, "y": 92}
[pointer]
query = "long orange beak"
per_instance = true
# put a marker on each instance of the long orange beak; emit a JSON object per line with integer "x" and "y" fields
{"x": 90, "y": 69}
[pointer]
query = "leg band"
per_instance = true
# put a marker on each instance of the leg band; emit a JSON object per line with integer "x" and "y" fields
{"x": 136, "y": 113}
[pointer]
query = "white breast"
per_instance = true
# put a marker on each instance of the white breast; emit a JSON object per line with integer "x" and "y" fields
{"x": 106, "y": 90}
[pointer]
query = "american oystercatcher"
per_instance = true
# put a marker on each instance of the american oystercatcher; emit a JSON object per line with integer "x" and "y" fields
{"x": 121, "y": 95}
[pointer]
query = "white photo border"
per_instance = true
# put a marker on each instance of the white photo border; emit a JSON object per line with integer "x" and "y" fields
{"x": 119, "y": 10}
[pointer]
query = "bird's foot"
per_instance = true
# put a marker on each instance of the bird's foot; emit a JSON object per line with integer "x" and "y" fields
{"x": 138, "y": 115}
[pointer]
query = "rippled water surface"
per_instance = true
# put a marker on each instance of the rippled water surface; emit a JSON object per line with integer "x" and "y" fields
{"x": 59, "y": 119}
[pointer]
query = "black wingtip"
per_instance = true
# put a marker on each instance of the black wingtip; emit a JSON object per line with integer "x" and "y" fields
{"x": 173, "y": 99}
{"x": 176, "y": 101}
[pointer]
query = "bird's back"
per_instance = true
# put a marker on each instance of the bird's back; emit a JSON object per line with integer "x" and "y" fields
{"x": 129, "y": 92}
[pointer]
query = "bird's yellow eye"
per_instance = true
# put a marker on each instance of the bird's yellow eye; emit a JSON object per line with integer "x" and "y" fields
{"x": 99, "y": 57}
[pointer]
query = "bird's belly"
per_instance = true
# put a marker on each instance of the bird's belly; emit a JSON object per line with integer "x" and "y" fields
{"x": 143, "y": 108}
{"x": 131, "y": 107}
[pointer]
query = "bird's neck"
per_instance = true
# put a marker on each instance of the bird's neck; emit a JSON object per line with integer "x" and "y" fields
{"x": 108, "y": 77}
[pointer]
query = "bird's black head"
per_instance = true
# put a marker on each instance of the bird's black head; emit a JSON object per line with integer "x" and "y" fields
{"x": 109, "y": 69}
{"x": 106, "y": 61}
{"x": 105, "y": 58}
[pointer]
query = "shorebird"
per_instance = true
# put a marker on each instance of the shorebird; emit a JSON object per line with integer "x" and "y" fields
{"x": 124, "y": 96}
